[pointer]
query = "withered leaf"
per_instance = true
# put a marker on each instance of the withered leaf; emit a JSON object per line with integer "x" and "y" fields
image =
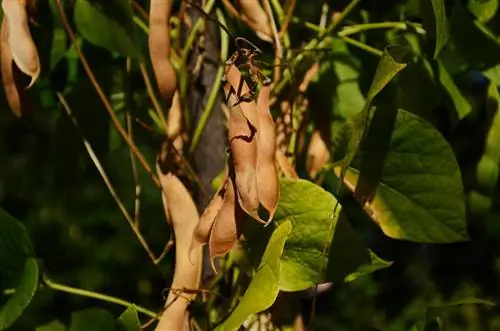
{"x": 267, "y": 172}
{"x": 183, "y": 215}
{"x": 159, "y": 48}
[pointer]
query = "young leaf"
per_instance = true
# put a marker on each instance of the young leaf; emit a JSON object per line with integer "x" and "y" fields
{"x": 129, "y": 321}
{"x": 264, "y": 287}
{"x": 438, "y": 26}
{"x": 17, "y": 260}
{"x": 389, "y": 66}
{"x": 376, "y": 263}
{"x": 92, "y": 319}
{"x": 108, "y": 24}
{"x": 420, "y": 194}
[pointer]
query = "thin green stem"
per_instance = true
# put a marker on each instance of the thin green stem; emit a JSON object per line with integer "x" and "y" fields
{"x": 358, "y": 28}
{"x": 141, "y": 25}
{"x": 362, "y": 46}
{"x": 94, "y": 295}
{"x": 316, "y": 42}
{"x": 215, "y": 88}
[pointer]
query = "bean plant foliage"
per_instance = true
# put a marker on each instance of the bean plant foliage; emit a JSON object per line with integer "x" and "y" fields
{"x": 215, "y": 165}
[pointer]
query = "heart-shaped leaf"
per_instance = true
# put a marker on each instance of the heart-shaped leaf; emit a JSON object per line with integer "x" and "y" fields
{"x": 419, "y": 196}
{"x": 264, "y": 287}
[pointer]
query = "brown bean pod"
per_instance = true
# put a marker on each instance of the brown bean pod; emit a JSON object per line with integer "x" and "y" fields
{"x": 159, "y": 48}
{"x": 267, "y": 171}
{"x": 226, "y": 229}
{"x": 242, "y": 131}
{"x": 202, "y": 232}
{"x": 22, "y": 47}
{"x": 181, "y": 210}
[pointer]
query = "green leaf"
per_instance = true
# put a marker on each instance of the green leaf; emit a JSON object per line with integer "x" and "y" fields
{"x": 348, "y": 99}
{"x": 439, "y": 29}
{"x": 389, "y": 66}
{"x": 18, "y": 266}
{"x": 108, "y": 24}
{"x": 376, "y": 263}
{"x": 460, "y": 103}
{"x": 484, "y": 10}
{"x": 419, "y": 196}
{"x": 264, "y": 287}
{"x": 322, "y": 245}
{"x": 92, "y": 319}
{"x": 52, "y": 326}
{"x": 129, "y": 321}
{"x": 469, "y": 36}
{"x": 25, "y": 291}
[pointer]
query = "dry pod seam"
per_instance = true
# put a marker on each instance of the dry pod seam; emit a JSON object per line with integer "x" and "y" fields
{"x": 267, "y": 172}
{"x": 242, "y": 131}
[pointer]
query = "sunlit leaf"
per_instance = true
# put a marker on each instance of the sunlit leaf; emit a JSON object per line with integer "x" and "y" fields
{"x": 108, "y": 24}
{"x": 419, "y": 196}
{"x": 322, "y": 245}
{"x": 264, "y": 287}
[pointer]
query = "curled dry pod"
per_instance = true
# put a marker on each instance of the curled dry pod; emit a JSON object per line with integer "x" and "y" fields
{"x": 267, "y": 172}
{"x": 254, "y": 15}
{"x": 183, "y": 215}
{"x": 226, "y": 228}
{"x": 159, "y": 48}
{"x": 202, "y": 232}
{"x": 317, "y": 154}
{"x": 21, "y": 44}
{"x": 242, "y": 130}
